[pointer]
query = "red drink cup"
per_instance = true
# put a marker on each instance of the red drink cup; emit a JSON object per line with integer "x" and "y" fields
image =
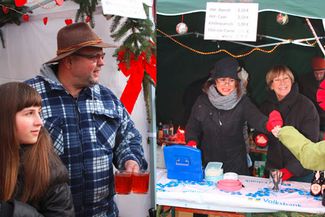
{"x": 123, "y": 182}
{"x": 140, "y": 182}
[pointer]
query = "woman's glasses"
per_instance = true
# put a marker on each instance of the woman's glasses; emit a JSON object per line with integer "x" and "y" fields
{"x": 224, "y": 81}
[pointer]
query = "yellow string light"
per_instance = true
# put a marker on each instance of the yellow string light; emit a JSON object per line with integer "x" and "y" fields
{"x": 221, "y": 50}
{"x": 311, "y": 44}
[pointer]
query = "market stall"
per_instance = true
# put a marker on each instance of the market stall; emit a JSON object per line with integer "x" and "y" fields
{"x": 185, "y": 59}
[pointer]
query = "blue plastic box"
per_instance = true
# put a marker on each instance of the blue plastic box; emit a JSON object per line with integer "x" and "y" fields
{"x": 183, "y": 163}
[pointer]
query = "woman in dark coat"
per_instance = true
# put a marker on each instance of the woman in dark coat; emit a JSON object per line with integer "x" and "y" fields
{"x": 218, "y": 117}
{"x": 297, "y": 111}
{"x": 33, "y": 180}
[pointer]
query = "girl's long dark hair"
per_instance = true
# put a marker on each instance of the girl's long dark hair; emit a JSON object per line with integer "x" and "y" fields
{"x": 34, "y": 160}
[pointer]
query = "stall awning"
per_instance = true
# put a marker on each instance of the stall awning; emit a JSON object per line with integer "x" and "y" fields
{"x": 311, "y": 9}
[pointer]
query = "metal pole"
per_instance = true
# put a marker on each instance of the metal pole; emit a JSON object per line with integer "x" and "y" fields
{"x": 153, "y": 146}
{"x": 315, "y": 35}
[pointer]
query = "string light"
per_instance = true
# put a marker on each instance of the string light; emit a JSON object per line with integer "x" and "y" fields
{"x": 221, "y": 50}
{"x": 311, "y": 44}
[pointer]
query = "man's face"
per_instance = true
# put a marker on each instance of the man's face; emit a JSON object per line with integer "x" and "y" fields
{"x": 87, "y": 63}
{"x": 319, "y": 74}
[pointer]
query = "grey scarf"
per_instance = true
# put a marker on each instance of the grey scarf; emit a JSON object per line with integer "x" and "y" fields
{"x": 224, "y": 102}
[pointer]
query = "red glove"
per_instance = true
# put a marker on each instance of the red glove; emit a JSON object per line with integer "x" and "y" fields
{"x": 286, "y": 174}
{"x": 275, "y": 119}
{"x": 261, "y": 140}
{"x": 192, "y": 143}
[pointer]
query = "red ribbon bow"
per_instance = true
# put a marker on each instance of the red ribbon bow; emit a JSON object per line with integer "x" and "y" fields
{"x": 136, "y": 72}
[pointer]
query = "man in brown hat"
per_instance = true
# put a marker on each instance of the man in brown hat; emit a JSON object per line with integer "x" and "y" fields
{"x": 309, "y": 84}
{"x": 89, "y": 126}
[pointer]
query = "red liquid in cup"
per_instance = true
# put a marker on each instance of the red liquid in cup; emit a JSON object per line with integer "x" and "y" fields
{"x": 123, "y": 183}
{"x": 140, "y": 182}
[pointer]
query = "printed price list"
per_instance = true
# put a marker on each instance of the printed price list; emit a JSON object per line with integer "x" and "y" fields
{"x": 231, "y": 21}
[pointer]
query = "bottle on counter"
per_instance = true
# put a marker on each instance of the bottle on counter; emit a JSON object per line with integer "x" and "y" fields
{"x": 171, "y": 129}
{"x": 316, "y": 185}
{"x": 160, "y": 131}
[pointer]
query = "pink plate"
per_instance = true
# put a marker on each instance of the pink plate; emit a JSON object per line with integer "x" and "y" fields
{"x": 229, "y": 185}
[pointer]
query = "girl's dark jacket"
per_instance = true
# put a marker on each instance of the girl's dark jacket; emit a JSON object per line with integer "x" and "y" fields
{"x": 297, "y": 111}
{"x": 219, "y": 133}
{"x": 57, "y": 200}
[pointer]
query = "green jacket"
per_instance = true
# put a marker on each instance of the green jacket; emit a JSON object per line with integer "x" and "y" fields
{"x": 310, "y": 154}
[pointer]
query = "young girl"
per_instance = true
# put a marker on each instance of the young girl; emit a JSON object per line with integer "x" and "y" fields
{"x": 32, "y": 178}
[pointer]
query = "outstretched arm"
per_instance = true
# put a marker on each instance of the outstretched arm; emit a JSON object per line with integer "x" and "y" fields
{"x": 311, "y": 155}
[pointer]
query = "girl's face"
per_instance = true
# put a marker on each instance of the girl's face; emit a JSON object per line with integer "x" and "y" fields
{"x": 281, "y": 86}
{"x": 225, "y": 86}
{"x": 28, "y": 124}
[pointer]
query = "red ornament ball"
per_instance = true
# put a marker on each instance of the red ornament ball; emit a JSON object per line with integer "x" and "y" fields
{"x": 5, "y": 9}
{"x": 25, "y": 17}
{"x": 68, "y": 21}
{"x": 282, "y": 19}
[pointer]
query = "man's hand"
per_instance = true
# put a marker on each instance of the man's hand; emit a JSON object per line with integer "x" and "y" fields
{"x": 132, "y": 166}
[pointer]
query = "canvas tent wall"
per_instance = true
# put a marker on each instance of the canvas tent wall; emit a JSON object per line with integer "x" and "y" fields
{"x": 32, "y": 43}
{"x": 178, "y": 66}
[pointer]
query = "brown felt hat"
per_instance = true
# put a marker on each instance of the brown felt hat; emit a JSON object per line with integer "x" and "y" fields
{"x": 73, "y": 37}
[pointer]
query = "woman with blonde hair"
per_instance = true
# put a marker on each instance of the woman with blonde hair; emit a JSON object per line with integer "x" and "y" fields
{"x": 33, "y": 180}
{"x": 296, "y": 110}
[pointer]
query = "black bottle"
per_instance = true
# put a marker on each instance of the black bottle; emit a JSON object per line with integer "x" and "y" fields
{"x": 316, "y": 184}
{"x": 322, "y": 180}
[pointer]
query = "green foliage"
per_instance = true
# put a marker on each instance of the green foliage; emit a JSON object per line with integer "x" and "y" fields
{"x": 86, "y": 8}
{"x": 136, "y": 35}
{"x": 14, "y": 14}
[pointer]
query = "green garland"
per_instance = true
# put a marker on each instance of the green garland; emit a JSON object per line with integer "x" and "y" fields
{"x": 139, "y": 37}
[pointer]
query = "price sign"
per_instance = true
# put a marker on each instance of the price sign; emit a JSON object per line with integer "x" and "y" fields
{"x": 125, "y": 8}
{"x": 231, "y": 21}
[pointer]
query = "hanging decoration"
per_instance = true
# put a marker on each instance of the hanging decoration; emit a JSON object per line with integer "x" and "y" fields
{"x": 221, "y": 50}
{"x": 136, "y": 72}
{"x": 45, "y": 19}
{"x": 68, "y": 21}
{"x": 59, "y": 2}
{"x": 88, "y": 19}
{"x": 25, "y": 17}
{"x": 86, "y": 9}
{"x": 181, "y": 28}
{"x": 136, "y": 57}
{"x": 5, "y": 9}
{"x": 282, "y": 19}
{"x": 20, "y": 3}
